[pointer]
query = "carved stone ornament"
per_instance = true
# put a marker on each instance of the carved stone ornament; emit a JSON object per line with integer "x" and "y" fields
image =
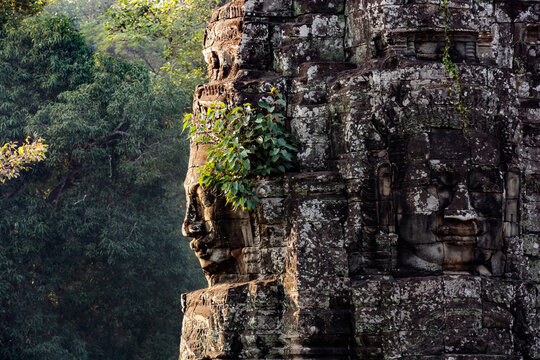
{"x": 400, "y": 234}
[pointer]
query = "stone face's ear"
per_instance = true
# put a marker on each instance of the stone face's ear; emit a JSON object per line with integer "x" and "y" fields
{"x": 384, "y": 183}
{"x": 384, "y": 197}
{"x": 511, "y": 216}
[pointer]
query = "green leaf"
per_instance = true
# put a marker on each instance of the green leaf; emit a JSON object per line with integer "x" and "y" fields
{"x": 264, "y": 105}
{"x": 286, "y": 155}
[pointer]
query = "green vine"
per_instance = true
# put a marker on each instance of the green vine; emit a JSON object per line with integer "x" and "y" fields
{"x": 245, "y": 143}
{"x": 452, "y": 69}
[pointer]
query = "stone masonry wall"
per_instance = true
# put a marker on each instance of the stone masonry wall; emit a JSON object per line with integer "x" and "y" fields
{"x": 398, "y": 235}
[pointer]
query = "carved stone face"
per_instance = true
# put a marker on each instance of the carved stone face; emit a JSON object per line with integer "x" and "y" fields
{"x": 219, "y": 233}
{"x": 450, "y": 203}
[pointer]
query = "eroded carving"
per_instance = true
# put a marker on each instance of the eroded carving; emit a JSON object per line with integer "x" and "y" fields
{"x": 400, "y": 236}
{"x": 450, "y": 204}
{"x": 220, "y": 233}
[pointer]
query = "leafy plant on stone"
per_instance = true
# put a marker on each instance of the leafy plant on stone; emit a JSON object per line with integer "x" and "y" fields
{"x": 244, "y": 143}
{"x": 452, "y": 68}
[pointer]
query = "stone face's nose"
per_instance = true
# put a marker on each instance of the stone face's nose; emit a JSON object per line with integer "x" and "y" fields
{"x": 193, "y": 225}
{"x": 460, "y": 207}
{"x": 193, "y": 229}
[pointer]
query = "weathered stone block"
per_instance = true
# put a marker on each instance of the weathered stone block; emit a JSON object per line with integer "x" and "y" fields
{"x": 312, "y": 122}
{"x": 422, "y": 290}
{"x": 473, "y": 341}
{"x": 479, "y": 357}
{"x": 463, "y": 315}
{"x": 456, "y": 286}
{"x": 328, "y": 49}
{"x": 314, "y": 324}
{"x": 314, "y": 234}
{"x": 421, "y": 342}
{"x": 373, "y": 320}
{"x": 422, "y": 317}
{"x": 313, "y": 154}
{"x": 268, "y": 8}
{"x": 531, "y": 217}
{"x": 318, "y": 6}
{"x": 375, "y": 291}
{"x": 265, "y": 296}
{"x": 273, "y": 260}
{"x": 271, "y": 210}
{"x": 352, "y": 166}
{"x": 322, "y": 209}
{"x": 496, "y": 316}
{"x": 269, "y": 188}
{"x": 316, "y": 183}
{"x": 325, "y": 262}
{"x": 319, "y": 283}
{"x": 307, "y": 299}
{"x": 327, "y": 26}
{"x": 272, "y": 236}
{"x": 534, "y": 269}
{"x": 264, "y": 321}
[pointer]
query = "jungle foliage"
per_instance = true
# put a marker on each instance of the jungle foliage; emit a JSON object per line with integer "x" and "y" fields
{"x": 91, "y": 258}
{"x": 131, "y": 46}
{"x": 180, "y": 22}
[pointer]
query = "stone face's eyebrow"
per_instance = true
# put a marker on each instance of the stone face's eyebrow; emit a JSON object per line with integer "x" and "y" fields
{"x": 442, "y": 166}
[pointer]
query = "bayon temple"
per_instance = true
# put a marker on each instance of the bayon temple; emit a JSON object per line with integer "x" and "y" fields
{"x": 406, "y": 230}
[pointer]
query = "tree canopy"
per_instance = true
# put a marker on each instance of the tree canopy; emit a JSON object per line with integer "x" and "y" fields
{"x": 22, "y": 7}
{"x": 129, "y": 46}
{"x": 91, "y": 258}
{"x": 180, "y": 22}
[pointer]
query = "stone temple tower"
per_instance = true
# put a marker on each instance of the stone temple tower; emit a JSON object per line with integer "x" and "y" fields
{"x": 399, "y": 235}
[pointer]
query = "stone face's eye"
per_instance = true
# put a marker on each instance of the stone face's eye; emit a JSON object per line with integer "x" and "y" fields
{"x": 488, "y": 181}
{"x": 206, "y": 197}
{"x": 487, "y": 204}
{"x": 440, "y": 180}
{"x": 208, "y": 200}
{"x": 448, "y": 179}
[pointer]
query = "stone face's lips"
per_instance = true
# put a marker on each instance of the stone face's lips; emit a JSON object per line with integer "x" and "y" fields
{"x": 199, "y": 246}
{"x": 458, "y": 240}
{"x": 456, "y": 228}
